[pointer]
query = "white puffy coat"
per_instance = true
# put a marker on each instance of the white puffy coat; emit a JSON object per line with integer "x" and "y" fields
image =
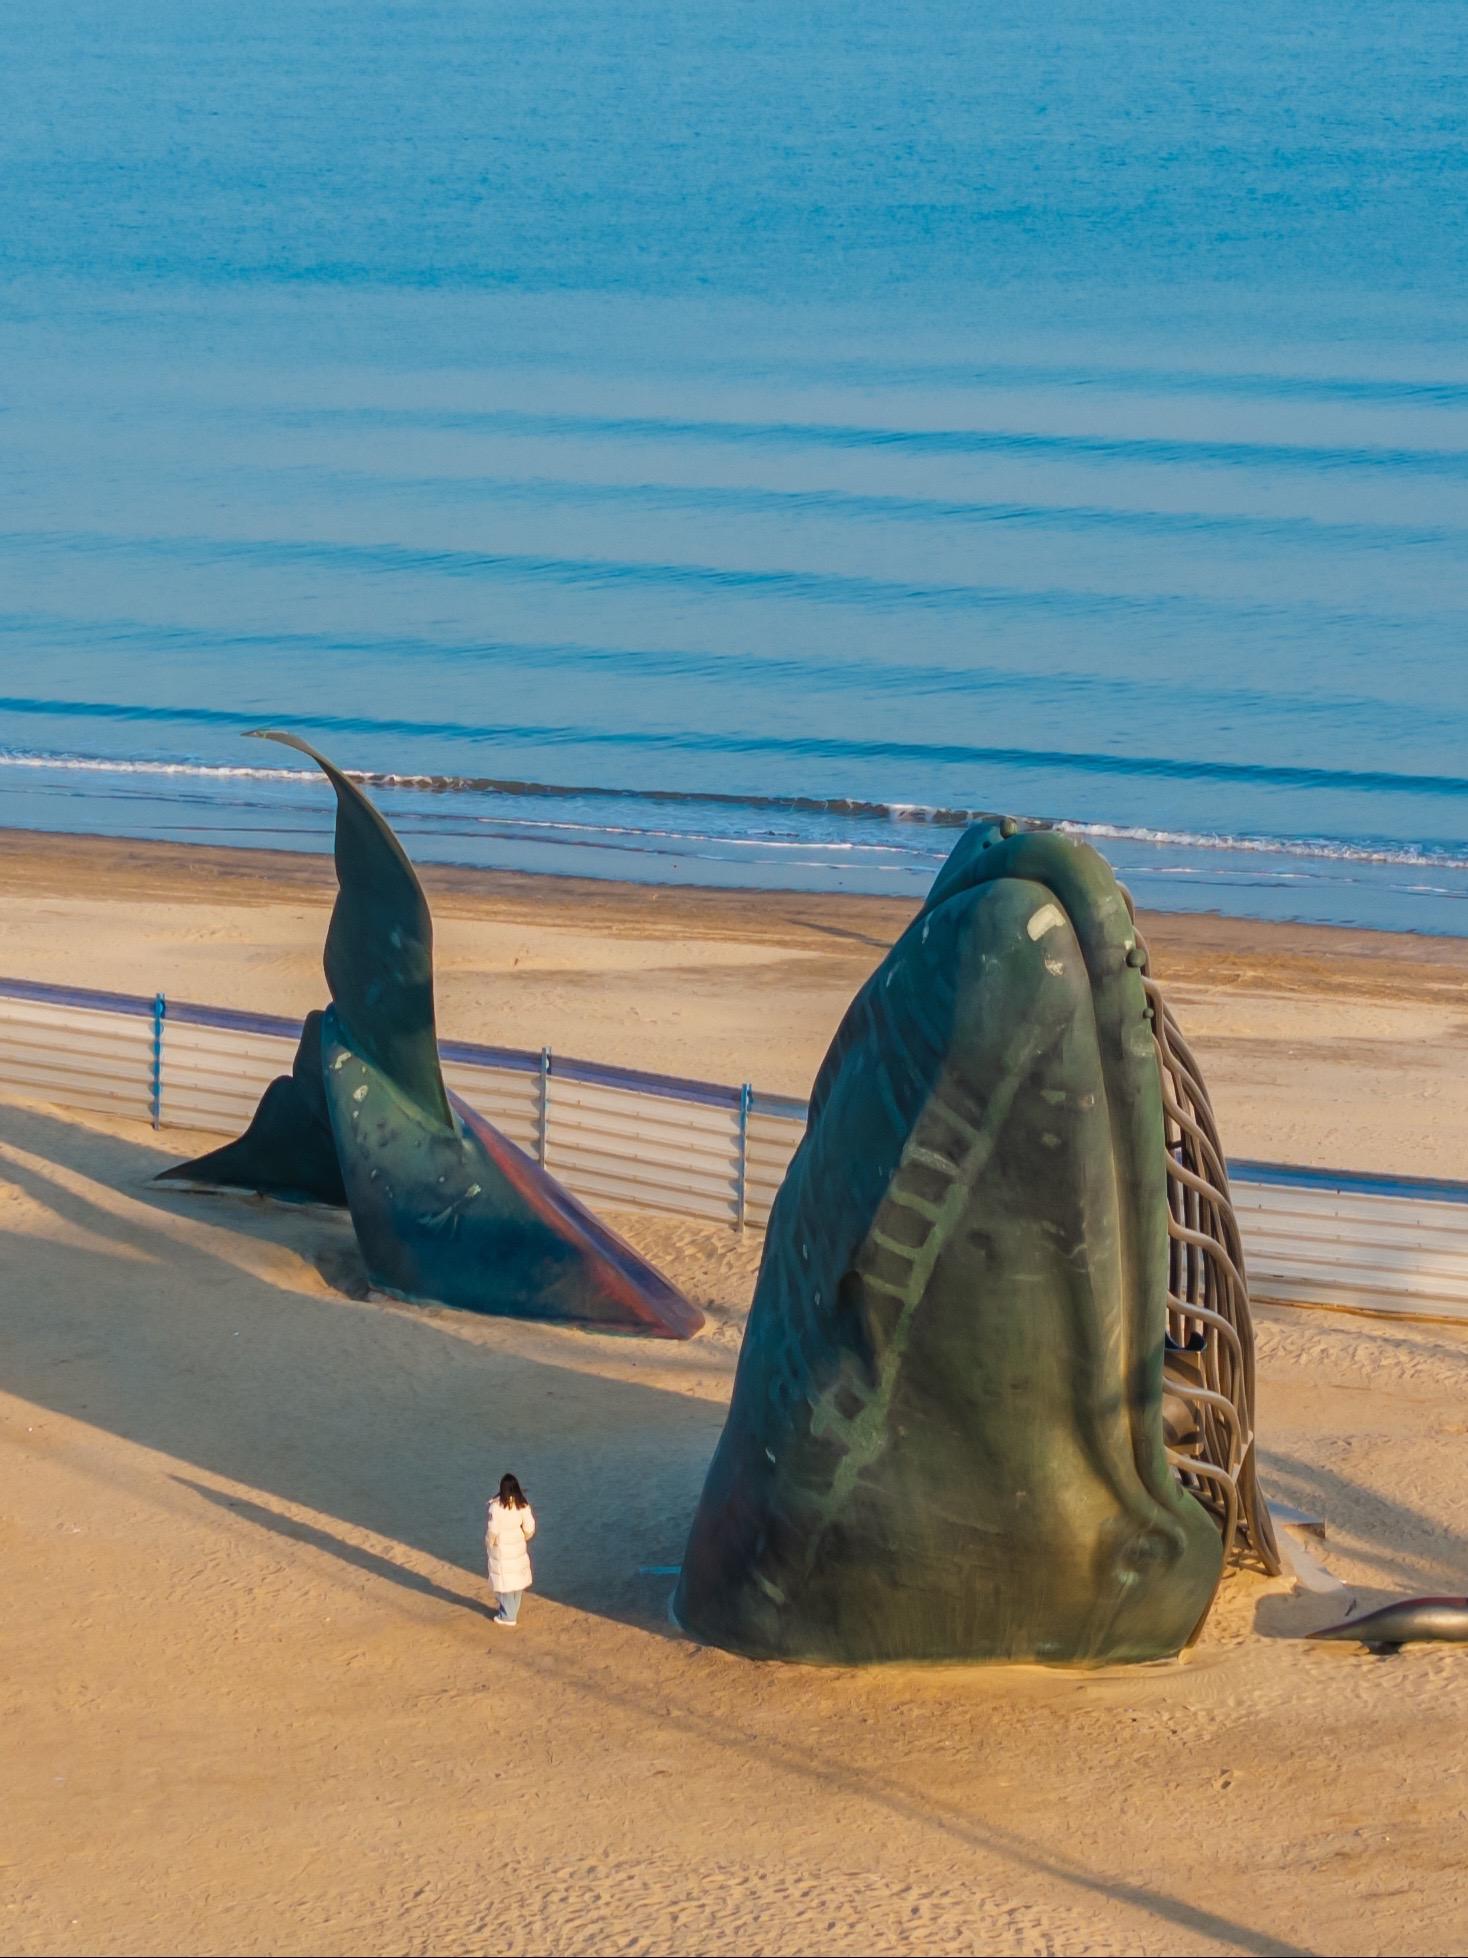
{"x": 506, "y": 1533}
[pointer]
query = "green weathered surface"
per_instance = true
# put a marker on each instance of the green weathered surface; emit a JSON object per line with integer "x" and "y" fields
{"x": 445, "y": 1208}
{"x": 945, "y": 1440}
{"x": 288, "y": 1150}
{"x": 459, "y": 1216}
{"x": 379, "y": 945}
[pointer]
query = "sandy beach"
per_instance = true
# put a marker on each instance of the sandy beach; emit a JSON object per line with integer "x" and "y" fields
{"x": 1345, "y": 1049}
{"x": 251, "y": 1696}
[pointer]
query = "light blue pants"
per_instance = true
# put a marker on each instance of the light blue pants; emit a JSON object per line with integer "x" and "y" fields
{"x": 509, "y": 1605}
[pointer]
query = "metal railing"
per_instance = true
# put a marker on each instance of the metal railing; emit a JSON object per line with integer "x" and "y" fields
{"x": 613, "y": 1135}
{"x": 624, "y": 1139}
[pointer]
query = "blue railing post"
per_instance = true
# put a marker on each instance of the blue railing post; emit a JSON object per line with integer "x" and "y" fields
{"x": 746, "y": 1094}
{"x": 543, "y": 1127}
{"x": 155, "y": 1098}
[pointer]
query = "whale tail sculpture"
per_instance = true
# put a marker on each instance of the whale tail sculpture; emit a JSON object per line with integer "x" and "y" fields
{"x": 946, "y": 1439}
{"x": 445, "y": 1208}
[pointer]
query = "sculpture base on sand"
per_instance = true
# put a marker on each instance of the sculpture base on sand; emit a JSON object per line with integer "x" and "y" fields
{"x": 437, "y": 1208}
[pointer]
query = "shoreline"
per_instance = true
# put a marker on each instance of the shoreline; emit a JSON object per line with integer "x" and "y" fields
{"x": 1324, "y": 1046}
{"x": 147, "y": 867}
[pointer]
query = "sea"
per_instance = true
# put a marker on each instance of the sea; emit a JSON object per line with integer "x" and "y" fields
{"x": 736, "y": 443}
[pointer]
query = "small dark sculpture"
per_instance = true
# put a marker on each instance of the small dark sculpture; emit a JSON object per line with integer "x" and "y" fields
{"x": 946, "y": 1439}
{"x": 446, "y": 1209}
{"x": 1407, "y": 1621}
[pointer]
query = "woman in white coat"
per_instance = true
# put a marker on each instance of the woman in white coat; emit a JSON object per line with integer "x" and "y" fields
{"x": 509, "y": 1528}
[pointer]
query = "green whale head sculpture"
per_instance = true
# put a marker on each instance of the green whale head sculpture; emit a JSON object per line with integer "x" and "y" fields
{"x": 946, "y": 1434}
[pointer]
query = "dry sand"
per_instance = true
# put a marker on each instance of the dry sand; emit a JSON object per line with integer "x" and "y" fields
{"x": 1346, "y": 1049}
{"x": 251, "y": 1698}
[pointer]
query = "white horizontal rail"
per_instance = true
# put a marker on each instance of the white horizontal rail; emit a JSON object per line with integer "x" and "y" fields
{"x": 688, "y": 1148}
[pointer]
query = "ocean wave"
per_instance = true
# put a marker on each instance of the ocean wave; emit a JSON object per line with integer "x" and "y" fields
{"x": 1421, "y": 856}
{"x": 1166, "y": 450}
{"x": 866, "y": 506}
{"x": 1325, "y": 849}
{"x": 754, "y": 583}
{"x": 691, "y": 741}
{"x": 1140, "y": 697}
{"x": 909, "y": 371}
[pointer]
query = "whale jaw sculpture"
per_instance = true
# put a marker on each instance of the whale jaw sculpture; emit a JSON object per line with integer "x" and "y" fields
{"x": 446, "y": 1209}
{"x": 945, "y": 1440}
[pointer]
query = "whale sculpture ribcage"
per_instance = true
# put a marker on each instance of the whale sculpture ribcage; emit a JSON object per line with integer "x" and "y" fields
{"x": 1209, "y": 1364}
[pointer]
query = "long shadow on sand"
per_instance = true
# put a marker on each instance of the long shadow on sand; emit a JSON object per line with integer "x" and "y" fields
{"x": 391, "y": 1423}
{"x": 748, "y": 1746}
{"x": 294, "y": 1530}
{"x": 1406, "y": 1547}
{"x": 388, "y": 1420}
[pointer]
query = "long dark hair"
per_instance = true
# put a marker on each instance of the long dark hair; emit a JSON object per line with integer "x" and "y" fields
{"x": 511, "y": 1494}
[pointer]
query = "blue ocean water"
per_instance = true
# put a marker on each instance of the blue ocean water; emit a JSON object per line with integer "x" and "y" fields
{"x": 732, "y": 443}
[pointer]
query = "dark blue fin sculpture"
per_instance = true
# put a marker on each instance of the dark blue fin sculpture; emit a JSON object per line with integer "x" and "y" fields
{"x": 446, "y": 1209}
{"x": 946, "y": 1434}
